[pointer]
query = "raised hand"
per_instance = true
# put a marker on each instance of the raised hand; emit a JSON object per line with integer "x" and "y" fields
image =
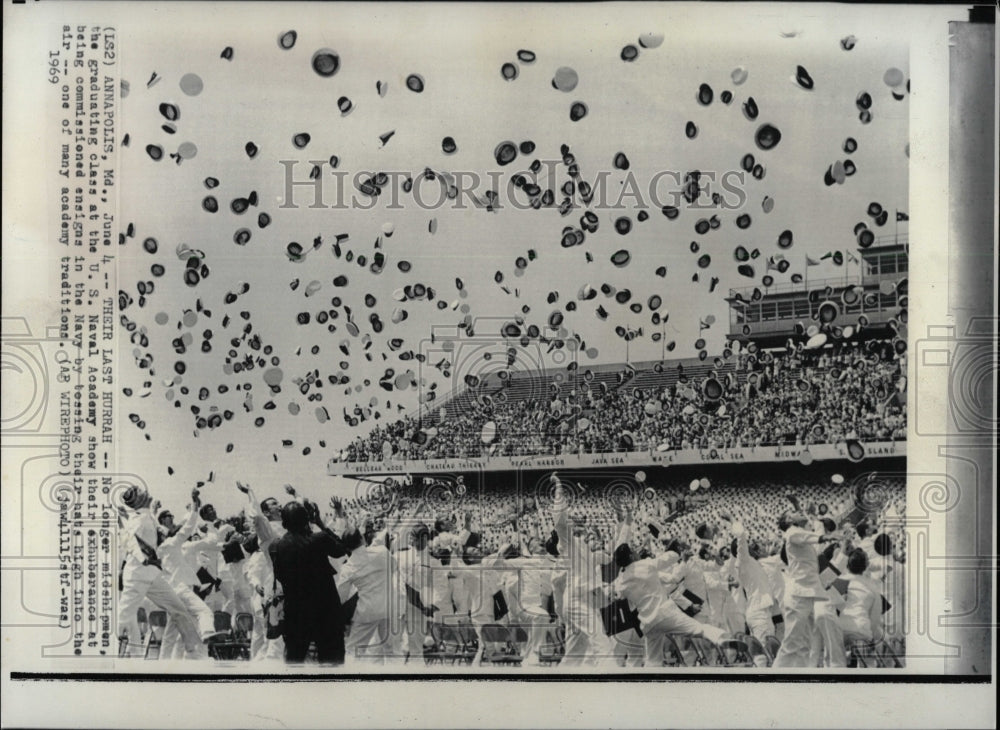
{"x": 245, "y": 488}
{"x": 314, "y": 514}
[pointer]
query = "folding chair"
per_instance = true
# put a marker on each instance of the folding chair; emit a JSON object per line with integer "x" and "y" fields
{"x": 222, "y": 647}
{"x": 242, "y": 635}
{"x": 888, "y": 655}
{"x": 735, "y": 653}
{"x": 499, "y": 646}
{"x": 684, "y": 649}
{"x": 553, "y": 648}
{"x": 865, "y": 654}
{"x": 466, "y": 633}
{"x": 709, "y": 654}
{"x": 861, "y": 654}
{"x": 771, "y": 646}
{"x": 470, "y": 642}
{"x": 141, "y": 619}
{"x": 897, "y": 646}
{"x": 447, "y": 644}
{"x": 672, "y": 654}
{"x": 519, "y": 639}
{"x": 223, "y": 621}
{"x": 754, "y": 649}
{"x": 154, "y": 635}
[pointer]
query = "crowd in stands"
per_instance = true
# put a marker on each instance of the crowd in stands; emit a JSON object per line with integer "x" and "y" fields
{"x": 770, "y": 567}
{"x": 792, "y": 396}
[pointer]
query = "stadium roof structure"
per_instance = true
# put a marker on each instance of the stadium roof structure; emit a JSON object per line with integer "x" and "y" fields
{"x": 868, "y": 300}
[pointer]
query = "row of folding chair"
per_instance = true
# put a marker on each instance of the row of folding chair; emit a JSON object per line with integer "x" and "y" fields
{"x": 232, "y": 643}
{"x": 553, "y": 647}
{"x": 681, "y": 650}
{"x": 455, "y": 641}
{"x": 503, "y": 644}
{"x": 860, "y": 654}
{"x": 151, "y": 628}
{"x": 867, "y": 654}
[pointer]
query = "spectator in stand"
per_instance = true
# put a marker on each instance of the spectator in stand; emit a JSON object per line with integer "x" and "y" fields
{"x": 796, "y": 397}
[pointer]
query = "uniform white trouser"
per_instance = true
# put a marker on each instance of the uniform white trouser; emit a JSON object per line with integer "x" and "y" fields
{"x": 799, "y": 623}
{"x": 149, "y": 582}
{"x": 734, "y": 617}
{"x": 672, "y": 620}
{"x": 536, "y": 623}
{"x": 258, "y": 639}
{"x": 416, "y": 631}
{"x": 372, "y": 640}
{"x": 761, "y": 626}
{"x": 460, "y": 596}
{"x": 760, "y": 623}
{"x": 484, "y": 617}
{"x": 242, "y": 592}
{"x": 585, "y": 639}
{"x": 851, "y": 630}
{"x": 261, "y": 647}
{"x": 827, "y": 648}
{"x": 173, "y": 647}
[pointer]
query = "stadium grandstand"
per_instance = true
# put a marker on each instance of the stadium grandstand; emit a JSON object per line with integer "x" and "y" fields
{"x": 778, "y": 382}
{"x": 737, "y": 509}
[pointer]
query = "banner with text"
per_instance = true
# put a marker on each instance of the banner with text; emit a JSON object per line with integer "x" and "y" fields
{"x": 680, "y": 457}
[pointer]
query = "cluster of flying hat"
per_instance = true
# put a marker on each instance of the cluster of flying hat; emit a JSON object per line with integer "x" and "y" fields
{"x": 227, "y": 336}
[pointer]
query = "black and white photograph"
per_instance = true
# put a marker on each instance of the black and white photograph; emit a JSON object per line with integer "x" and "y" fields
{"x": 496, "y": 343}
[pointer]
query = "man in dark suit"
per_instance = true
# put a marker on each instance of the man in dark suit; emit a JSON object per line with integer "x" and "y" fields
{"x": 302, "y": 567}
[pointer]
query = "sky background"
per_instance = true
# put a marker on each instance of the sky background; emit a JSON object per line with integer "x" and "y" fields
{"x": 267, "y": 95}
